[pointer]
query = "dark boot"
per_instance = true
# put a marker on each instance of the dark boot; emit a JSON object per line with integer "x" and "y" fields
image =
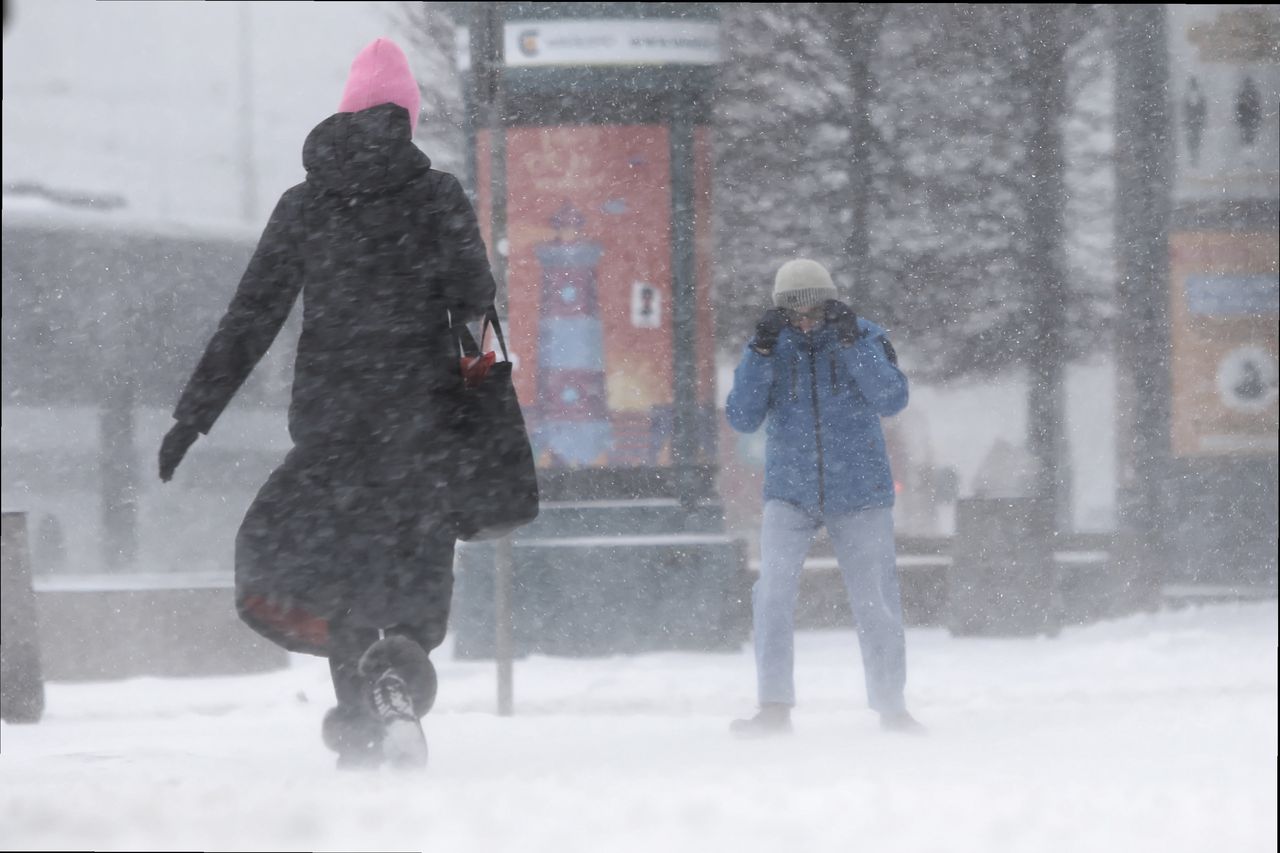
{"x": 410, "y": 661}
{"x": 355, "y": 735}
{"x": 771, "y": 719}
{"x": 351, "y": 729}
{"x": 402, "y": 689}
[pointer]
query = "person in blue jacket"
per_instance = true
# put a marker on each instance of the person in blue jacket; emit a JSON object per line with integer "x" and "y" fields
{"x": 822, "y": 378}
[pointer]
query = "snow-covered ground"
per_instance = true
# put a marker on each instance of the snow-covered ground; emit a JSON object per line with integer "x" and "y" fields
{"x": 1152, "y": 733}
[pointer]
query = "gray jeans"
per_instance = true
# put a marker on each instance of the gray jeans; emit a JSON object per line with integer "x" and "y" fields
{"x": 864, "y": 547}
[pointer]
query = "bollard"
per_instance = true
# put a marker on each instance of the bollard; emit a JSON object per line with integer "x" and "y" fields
{"x": 1002, "y": 577}
{"x": 21, "y": 682}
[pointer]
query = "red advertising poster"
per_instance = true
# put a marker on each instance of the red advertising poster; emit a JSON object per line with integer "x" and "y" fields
{"x": 590, "y": 292}
{"x": 589, "y": 277}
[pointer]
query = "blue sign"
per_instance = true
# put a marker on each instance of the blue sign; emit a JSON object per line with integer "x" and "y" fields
{"x": 1234, "y": 295}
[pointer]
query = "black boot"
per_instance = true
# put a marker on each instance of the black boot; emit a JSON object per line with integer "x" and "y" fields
{"x": 355, "y": 735}
{"x": 402, "y": 689}
{"x": 410, "y": 661}
{"x": 771, "y": 719}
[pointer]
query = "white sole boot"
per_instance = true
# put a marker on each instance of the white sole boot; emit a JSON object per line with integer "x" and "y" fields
{"x": 403, "y": 744}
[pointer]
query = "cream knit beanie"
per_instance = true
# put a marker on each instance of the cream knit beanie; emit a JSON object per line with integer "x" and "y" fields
{"x": 802, "y": 284}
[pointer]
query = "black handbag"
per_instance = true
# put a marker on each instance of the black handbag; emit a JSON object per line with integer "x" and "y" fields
{"x": 494, "y": 487}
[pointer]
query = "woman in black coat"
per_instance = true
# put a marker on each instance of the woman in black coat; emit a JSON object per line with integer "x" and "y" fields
{"x": 347, "y": 551}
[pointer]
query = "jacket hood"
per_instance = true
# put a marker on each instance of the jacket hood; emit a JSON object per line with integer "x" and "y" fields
{"x": 365, "y": 151}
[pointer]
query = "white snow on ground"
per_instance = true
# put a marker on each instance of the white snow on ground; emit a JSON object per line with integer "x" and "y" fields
{"x": 1152, "y": 733}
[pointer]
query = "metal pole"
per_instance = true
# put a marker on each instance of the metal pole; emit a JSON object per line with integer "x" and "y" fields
{"x": 684, "y": 301}
{"x": 488, "y": 72}
{"x": 503, "y": 629}
{"x": 248, "y": 176}
{"x": 117, "y": 453}
{"x": 118, "y": 474}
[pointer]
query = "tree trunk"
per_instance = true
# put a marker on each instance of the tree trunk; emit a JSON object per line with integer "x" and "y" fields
{"x": 1046, "y": 205}
{"x": 859, "y": 28}
{"x": 1143, "y": 168}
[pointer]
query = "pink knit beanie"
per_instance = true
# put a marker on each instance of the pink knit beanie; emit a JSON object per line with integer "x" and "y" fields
{"x": 380, "y": 75}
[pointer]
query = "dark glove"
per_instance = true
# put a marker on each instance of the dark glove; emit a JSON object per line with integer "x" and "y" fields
{"x": 768, "y": 329}
{"x": 177, "y": 441}
{"x": 841, "y": 318}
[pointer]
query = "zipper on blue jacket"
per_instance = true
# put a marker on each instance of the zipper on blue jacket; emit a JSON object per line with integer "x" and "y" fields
{"x": 817, "y": 423}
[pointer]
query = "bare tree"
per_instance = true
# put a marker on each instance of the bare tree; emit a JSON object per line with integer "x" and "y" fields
{"x": 429, "y": 35}
{"x": 857, "y": 28}
{"x": 781, "y": 145}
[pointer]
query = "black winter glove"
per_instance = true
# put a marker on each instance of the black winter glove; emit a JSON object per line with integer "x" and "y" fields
{"x": 841, "y": 318}
{"x": 768, "y": 329}
{"x": 177, "y": 441}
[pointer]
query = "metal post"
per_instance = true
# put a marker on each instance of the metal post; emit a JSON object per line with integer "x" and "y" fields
{"x": 684, "y": 299}
{"x": 503, "y": 628}
{"x": 116, "y": 470}
{"x": 248, "y": 175}
{"x": 488, "y": 59}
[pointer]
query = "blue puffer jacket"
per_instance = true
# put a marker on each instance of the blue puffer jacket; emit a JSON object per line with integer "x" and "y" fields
{"x": 825, "y": 450}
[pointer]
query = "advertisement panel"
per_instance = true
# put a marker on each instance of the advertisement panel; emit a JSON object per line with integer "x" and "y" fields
{"x": 590, "y": 304}
{"x": 1224, "y": 303}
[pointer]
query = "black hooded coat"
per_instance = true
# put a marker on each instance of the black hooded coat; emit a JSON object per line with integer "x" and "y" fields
{"x": 354, "y": 525}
